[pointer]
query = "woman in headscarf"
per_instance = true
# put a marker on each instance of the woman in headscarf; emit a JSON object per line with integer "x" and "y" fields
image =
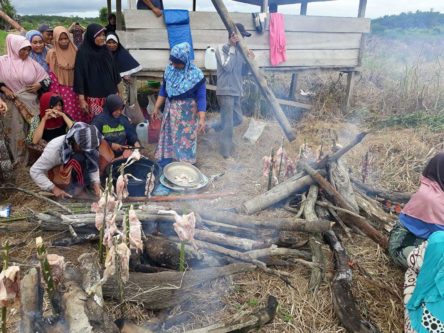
{"x": 51, "y": 123}
{"x": 61, "y": 59}
{"x": 184, "y": 93}
{"x": 126, "y": 64}
{"x": 70, "y": 163}
{"x": 38, "y": 48}
{"x": 95, "y": 72}
{"x": 423, "y": 285}
{"x": 115, "y": 127}
{"x": 422, "y": 215}
{"x": 21, "y": 80}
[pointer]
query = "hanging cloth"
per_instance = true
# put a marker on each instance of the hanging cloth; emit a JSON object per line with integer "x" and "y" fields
{"x": 278, "y": 42}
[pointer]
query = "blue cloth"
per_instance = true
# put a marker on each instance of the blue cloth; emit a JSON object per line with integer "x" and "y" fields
{"x": 426, "y": 306}
{"x": 199, "y": 94}
{"x": 418, "y": 227}
{"x": 178, "y": 81}
{"x": 177, "y": 22}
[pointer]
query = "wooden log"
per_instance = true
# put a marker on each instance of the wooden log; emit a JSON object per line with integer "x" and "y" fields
{"x": 295, "y": 184}
{"x": 182, "y": 197}
{"x": 80, "y": 312}
{"x": 278, "y": 251}
{"x": 11, "y": 22}
{"x": 389, "y": 195}
{"x": 372, "y": 210}
{"x": 371, "y": 232}
{"x": 230, "y": 241}
{"x": 315, "y": 241}
{"x": 343, "y": 301}
{"x": 31, "y": 301}
{"x": 340, "y": 179}
{"x": 249, "y": 323}
{"x": 162, "y": 290}
{"x": 239, "y": 231}
{"x": 257, "y": 74}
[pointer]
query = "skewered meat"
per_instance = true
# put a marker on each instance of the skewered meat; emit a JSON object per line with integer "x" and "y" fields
{"x": 123, "y": 253}
{"x": 184, "y": 225}
{"x": 122, "y": 187}
{"x": 9, "y": 285}
{"x": 135, "y": 234}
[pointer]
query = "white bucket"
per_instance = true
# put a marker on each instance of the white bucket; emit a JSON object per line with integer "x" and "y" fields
{"x": 210, "y": 59}
{"x": 142, "y": 132}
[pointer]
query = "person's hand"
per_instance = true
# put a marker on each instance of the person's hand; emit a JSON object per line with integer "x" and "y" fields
{"x": 156, "y": 113}
{"x": 116, "y": 147}
{"x": 47, "y": 115}
{"x": 157, "y": 12}
{"x": 127, "y": 78}
{"x": 33, "y": 88}
{"x": 201, "y": 126}
{"x": 250, "y": 54}
{"x": 83, "y": 105}
{"x": 59, "y": 193}
{"x": 56, "y": 113}
{"x": 96, "y": 189}
{"x": 234, "y": 39}
{"x": 8, "y": 92}
{"x": 3, "y": 108}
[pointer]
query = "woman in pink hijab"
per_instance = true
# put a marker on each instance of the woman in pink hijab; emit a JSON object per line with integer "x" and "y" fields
{"x": 21, "y": 80}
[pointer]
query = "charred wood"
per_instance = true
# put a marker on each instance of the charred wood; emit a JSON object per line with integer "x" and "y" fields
{"x": 343, "y": 300}
{"x": 165, "y": 289}
{"x": 315, "y": 242}
{"x": 373, "y": 211}
{"x": 31, "y": 302}
{"x": 371, "y": 232}
{"x": 389, "y": 195}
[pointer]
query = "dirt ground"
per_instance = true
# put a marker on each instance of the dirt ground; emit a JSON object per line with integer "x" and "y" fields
{"x": 396, "y": 158}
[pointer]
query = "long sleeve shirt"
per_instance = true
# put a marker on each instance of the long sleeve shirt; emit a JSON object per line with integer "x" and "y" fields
{"x": 51, "y": 157}
{"x": 199, "y": 95}
{"x": 229, "y": 70}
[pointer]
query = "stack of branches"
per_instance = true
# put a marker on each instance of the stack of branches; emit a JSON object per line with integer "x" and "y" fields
{"x": 226, "y": 242}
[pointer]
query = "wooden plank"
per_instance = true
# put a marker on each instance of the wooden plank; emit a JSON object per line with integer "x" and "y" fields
{"x": 145, "y": 19}
{"x": 158, "y": 39}
{"x": 156, "y": 60}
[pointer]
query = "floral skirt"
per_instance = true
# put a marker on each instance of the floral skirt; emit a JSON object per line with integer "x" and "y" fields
{"x": 71, "y": 104}
{"x": 178, "y": 132}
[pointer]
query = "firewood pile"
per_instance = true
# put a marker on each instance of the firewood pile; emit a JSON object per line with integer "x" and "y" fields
{"x": 157, "y": 254}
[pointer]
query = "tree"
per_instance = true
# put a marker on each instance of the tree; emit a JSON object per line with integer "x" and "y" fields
{"x": 9, "y": 10}
{"x": 103, "y": 15}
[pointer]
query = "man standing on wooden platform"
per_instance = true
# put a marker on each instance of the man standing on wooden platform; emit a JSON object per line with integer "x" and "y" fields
{"x": 229, "y": 89}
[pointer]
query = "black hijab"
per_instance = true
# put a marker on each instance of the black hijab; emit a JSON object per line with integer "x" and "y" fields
{"x": 126, "y": 64}
{"x": 95, "y": 72}
{"x": 434, "y": 170}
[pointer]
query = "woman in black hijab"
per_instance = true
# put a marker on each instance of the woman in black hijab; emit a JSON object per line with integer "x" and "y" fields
{"x": 95, "y": 73}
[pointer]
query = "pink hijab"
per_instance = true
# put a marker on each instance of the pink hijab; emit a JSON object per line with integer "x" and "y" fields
{"x": 15, "y": 72}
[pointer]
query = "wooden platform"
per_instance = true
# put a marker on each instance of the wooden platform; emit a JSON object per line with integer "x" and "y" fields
{"x": 312, "y": 41}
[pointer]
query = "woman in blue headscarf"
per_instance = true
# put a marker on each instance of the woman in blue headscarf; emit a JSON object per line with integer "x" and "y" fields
{"x": 184, "y": 93}
{"x": 38, "y": 48}
{"x": 424, "y": 287}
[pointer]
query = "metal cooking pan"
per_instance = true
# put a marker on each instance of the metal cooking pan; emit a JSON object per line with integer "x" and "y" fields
{"x": 183, "y": 174}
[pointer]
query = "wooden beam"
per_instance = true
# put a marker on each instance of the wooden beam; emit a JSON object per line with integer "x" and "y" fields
{"x": 264, "y": 6}
{"x": 109, "y": 6}
{"x": 119, "y": 16}
{"x": 362, "y": 7}
{"x": 349, "y": 91}
{"x": 257, "y": 74}
{"x": 293, "y": 86}
{"x": 194, "y": 5}
{"x": 304, "y": 5}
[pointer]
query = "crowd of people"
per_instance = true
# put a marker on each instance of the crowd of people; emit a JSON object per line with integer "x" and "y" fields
{"x": 62, "y": 106}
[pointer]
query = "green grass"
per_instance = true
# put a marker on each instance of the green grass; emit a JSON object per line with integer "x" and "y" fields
{"x": 434, "y": 122}
{"x": 3, "y": 42}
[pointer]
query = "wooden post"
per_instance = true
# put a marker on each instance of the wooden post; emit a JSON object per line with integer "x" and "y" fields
{"x": 304, "y": 5}
{"x": 257, "y": 73}
{"x": 350, "y": 84}
{"x": 108, "y": 6}
{"x": 119, "y": 16}
{"x": 362, "y": 7}
{"x": 293, "y": 86}
{"x": 264, "y": 6}
{"x": 194, "y": 5}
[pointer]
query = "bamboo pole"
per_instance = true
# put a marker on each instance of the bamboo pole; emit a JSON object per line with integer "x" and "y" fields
{"x": 257, "y": 73}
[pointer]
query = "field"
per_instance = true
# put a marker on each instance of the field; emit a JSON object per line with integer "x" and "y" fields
{"x": 398, "y": 98}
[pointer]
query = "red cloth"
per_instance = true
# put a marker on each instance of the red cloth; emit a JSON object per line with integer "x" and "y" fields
{"x": 51, "y": 123}
{"x": 278, "y": 42}
{"x": 427, "y": 203}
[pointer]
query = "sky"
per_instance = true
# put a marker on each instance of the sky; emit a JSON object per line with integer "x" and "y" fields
{"x": 348, "y": 8}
